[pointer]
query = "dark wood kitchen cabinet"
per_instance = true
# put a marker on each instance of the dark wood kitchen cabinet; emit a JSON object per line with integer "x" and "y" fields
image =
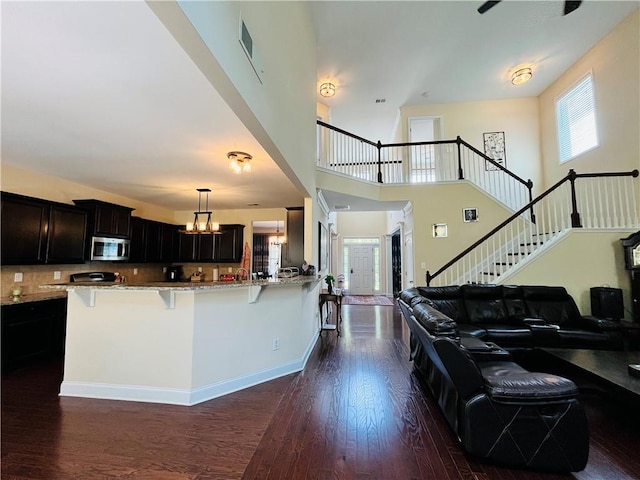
{"x": 225, "y": 247}
{"x": 32, "y": 331}
{"x": 36, "y": 231}
{"x": 107, "y": 219}
{"x": 152, "y": 241}
{"x": 229, "y": 244}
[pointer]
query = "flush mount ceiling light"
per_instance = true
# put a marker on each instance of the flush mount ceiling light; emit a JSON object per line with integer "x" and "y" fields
{"x": 327, "y": 89}
{"x": 198, "y": 226}
{"x": 239, "y": 162}
{"x": 521, "y": 76}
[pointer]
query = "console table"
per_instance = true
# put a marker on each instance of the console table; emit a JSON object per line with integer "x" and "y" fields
{"x": 334, "y": 297}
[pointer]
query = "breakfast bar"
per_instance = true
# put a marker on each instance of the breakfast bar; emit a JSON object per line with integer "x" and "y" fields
{"x": 185, "y": 343}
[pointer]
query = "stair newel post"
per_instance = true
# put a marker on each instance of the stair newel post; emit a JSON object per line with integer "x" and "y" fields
{"x": 530, "y": 187}
{"x": 575, "y": 215}
{"x": 379, "y": 146}
{"x": 460, "y": 171}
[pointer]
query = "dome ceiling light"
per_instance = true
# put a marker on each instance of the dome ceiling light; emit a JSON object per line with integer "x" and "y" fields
{"x": 239, "y": 162}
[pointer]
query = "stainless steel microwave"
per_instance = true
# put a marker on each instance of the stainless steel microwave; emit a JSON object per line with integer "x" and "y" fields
{"x": 109, "y": 249}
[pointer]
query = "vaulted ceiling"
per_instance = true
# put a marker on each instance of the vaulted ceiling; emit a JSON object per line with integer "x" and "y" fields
{"x": 102, "y": 94}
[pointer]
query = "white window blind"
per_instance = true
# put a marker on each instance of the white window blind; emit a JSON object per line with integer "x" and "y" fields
{"x": 576, "y": 114}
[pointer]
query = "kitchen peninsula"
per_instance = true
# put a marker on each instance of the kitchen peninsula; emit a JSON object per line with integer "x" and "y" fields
{"x": 185, "y": 343}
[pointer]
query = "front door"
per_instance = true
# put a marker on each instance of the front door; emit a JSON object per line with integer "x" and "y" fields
{"x": 361, "y": 271}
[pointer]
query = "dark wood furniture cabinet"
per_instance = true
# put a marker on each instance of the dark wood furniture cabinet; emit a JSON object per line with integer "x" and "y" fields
{"x": 32, "y": 331}
{"x": 225, "y": 247}
{"x": 152, "y": 242}
{"x": 36, "y": 231}
{"x": 107, "y": 219}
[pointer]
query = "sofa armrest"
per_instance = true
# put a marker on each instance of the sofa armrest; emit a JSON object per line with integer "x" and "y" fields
{"x": 534, "y": 321}
{"x": 599, "y": 324}
{"x": 484, "y": 351}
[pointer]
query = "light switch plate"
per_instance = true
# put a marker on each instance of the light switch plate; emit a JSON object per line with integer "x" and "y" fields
{"x": 17, "y": 277}
{"x": 57, "y": 275}
{"x": 135, "y": 271}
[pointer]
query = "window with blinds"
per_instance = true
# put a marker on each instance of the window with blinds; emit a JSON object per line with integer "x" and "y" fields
{"x": 576, "y": 114}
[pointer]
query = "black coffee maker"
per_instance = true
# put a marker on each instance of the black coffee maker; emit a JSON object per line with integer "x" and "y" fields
{"x": 174, "y": 273}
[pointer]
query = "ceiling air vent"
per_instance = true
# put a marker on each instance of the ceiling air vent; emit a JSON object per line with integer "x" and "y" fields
{"x": 250, "y": 49}
{"x": 342, "y": 207}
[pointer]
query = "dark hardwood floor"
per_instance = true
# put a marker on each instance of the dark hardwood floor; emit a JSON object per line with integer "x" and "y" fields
{"x": 357, "y": 411}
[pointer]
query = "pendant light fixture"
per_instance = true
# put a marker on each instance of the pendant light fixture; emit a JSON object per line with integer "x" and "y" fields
{"x": 278, "y": 239}
{"x": 198, "y": 226}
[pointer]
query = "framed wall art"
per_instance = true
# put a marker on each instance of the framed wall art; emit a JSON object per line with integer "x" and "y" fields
{"x": 470, "y": 214}
{"x": 494, "y": 148}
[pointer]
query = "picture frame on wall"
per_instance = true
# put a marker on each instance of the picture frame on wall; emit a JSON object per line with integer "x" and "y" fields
{"x": 470, "y": 215}
{"x": 494, "y": 148}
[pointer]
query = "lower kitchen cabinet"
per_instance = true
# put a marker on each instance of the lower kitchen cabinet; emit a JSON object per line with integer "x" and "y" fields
{"x": 32, "y": 331}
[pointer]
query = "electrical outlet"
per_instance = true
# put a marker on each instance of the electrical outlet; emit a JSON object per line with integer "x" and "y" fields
{"x": 57, "y": 275}
{"x": 276, "y": 344}
{"x": 230, "y": 270}
{"x": 17, "y": 277}
{"x": 164, "y": 269}
{"x": 423, "y": 265}
{"x": 200, "y": 269}
{"x": 135, "y": 271}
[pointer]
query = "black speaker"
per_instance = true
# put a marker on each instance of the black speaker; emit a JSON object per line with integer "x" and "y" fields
{"x": 607, "y": 303}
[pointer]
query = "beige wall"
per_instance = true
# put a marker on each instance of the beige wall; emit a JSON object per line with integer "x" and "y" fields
{"x": 279, "y": 110}
{"x": 615, "y": 65}
{"x": 581, "y": 260}
{"x": 25, "y": 182}
{"x": 517, "y": 118}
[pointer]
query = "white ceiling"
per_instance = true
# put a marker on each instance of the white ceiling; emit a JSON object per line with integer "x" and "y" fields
{"x": 101, "y": 93}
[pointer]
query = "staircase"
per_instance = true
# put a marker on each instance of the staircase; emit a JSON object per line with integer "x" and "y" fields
{"x": 597, "y": 201}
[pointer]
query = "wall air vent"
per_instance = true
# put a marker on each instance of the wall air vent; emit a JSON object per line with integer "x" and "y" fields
{"x": 250, "y": 49}
{"x": 342, "y": 207}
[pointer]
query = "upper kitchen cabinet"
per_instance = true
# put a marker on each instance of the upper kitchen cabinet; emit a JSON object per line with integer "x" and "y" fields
{"x": 107, "y": 219}
{"x": 229, "y": 243}
{"x": 67, "y": 230}
{"x": 38, "y": 231}
{"x": 152, "y": 241}
{"x": 225, "y": 247}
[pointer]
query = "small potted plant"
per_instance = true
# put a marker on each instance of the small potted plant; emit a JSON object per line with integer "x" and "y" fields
{"x": 329, "y": 280}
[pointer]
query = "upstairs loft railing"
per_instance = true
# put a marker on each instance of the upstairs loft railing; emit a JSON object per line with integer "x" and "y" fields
{"x": 603, "y": 200}
{"x": 419, "y": 163}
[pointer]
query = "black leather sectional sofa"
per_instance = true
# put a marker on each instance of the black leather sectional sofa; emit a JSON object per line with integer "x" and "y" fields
{"x": 499, "y": 411}
{"x": 522, "y": 316}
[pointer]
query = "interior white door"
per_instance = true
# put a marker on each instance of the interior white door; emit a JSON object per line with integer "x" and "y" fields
{"x": 361, "y": 272}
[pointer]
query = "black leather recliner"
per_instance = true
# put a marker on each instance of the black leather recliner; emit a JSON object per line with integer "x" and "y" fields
{"x": 515, "y": 417}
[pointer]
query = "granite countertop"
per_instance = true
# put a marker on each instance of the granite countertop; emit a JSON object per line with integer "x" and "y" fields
{"x": 34, "y": 297}
{"x": 176, "y": 286}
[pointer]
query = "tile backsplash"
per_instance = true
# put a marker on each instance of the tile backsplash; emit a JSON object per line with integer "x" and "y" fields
{"x": 35, "y": 275}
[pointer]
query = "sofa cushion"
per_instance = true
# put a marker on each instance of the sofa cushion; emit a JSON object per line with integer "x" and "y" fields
{"x": 553, "y": 304}
{"x": 514, "y": 301}
{"x": 447, "y": 300}
{"x": 484, "y": 304}
{"x": 468, "y": 330}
